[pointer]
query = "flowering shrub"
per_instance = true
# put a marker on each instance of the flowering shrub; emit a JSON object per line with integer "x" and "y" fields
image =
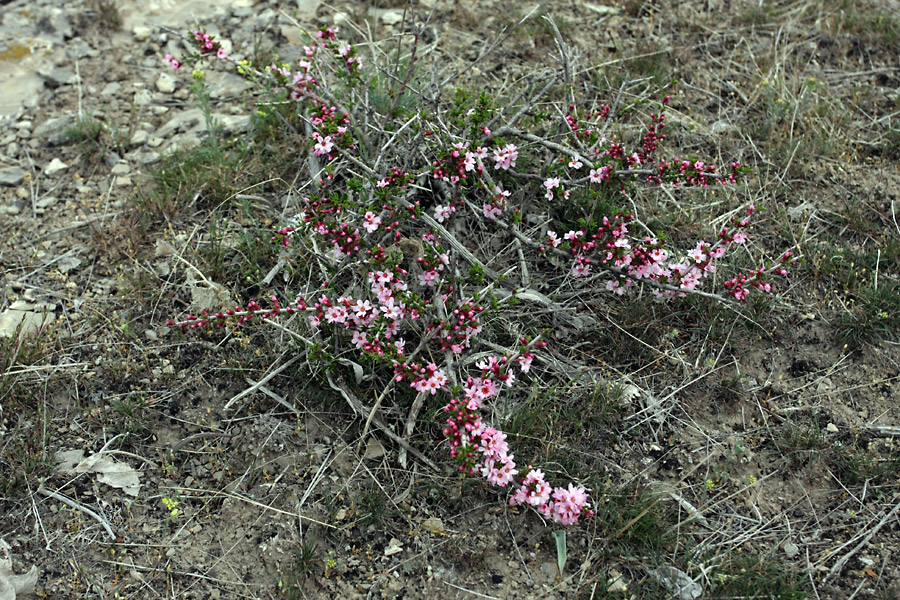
{"x": 384, "y": 225}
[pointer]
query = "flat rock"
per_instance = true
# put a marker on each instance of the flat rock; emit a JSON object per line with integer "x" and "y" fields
{"x": 225, "y": 84}
{"x": 58, "y": 76}
{"x": 11, "y": 320}
{"x": 121, "y": 168}
{"x": 111, "y": 89}
{"x": 54, "y": 130}
{"x": 182, "y": 121}
{"x": 305, "y": 10}
{"x": 12, "y": 176}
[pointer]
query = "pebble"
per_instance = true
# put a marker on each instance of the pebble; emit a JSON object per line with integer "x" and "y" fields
{"x": 121, "y": 168}
{"x": 111, "y": 89}
{"x": 166, "y": 83}
{"x": 55, "y": 167}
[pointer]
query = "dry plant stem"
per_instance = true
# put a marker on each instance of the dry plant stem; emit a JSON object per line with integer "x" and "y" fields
{"x": 472, "y": 592}
{"x": 253, "y": 502}
{"x": 508, "y": 130}
{"x": 411, "y": 423}
{"x": 388, "y": 388}
{"x": 375, "y": 407}
{"x": 455, "y": 243}
{"x": 360, "y": 409}
{"x": 169, "y": 572}
{"x": 526, "y": 106}
{"x": 261, "y": 382}
{"x": 315, "y": 480}
{"x": 839, "y": 565}
{"x": 883, "y": 430}
{"x": 76, "y": 506}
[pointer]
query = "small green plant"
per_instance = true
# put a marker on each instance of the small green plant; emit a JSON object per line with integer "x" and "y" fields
{"x": 171, "y": 506}
{"x": 106, "y": 14}
{"x": 87, "y": 133}
{"x": 743, "y": 575}
{"x": 308, "y": 564}
{"x": 361, "y": 207}
{"x": 129, "y": 416}
{"x": 875, "y": 317}
{"x": 373, "y": 507}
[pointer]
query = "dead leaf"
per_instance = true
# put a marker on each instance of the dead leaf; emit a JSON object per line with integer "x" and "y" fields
{"x": 109, "y": 471}
{"x": 10, "y": 584}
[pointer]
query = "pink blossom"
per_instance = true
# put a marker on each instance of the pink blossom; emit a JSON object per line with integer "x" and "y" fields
{"x": 525, "y": 362}
{"x": 581, "y": 270}
{"x": 176, "y": 64}
{"x": 336, "y": 314}
{"x": 428, "y": 277}
{"x": 505, "y": 157}
{"x": 697, "y": 254}
{"x": 371, "y": 222}
{"x": 613, "y": 285}
{"x": 491, "y": 210}
{"x": 442, "y": 213}
{"x": 323, "y": 145}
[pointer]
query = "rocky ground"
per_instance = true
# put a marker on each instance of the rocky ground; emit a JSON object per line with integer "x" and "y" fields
{"x": 772, "y": 424}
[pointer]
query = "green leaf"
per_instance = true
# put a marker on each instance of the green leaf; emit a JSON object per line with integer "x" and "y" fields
{"x": 560, "y": 538}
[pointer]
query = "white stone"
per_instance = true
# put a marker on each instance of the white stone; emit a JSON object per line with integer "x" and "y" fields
{"x": 143, "y": 97}
{"x": 165, "y": 83}
{"x": 111, "y": 89}
{"x": 391, "y": 17}
{"x": 141, "y": 32}
{"x": 55, "y": 167}
{"x": 121, "y": 168}
{"x": 30, "y": 322}
{"x": 139, "y": 138}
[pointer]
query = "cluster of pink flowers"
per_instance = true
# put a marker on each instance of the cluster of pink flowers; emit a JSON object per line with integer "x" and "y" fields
{"x": 422, "y": 379}
{"x": 482, "y": 449}
{"x": 572, "y": 120}
{"x": 505, "y": 157}
{"x": 396, "y": 178}
{"x": 174, "y": 62}
{"x": 347, "y": 52}
{"x": 294, "y": 85}
{"x": 206, "y": 45}
{"x": 283, "y": 236}
{"x": 463, "y": 160}
{"x": 497, "y": 205}
{"x": 458, "y": 163}
{"x": 297, "y": 84}
{"x": 456, "y": 333}
{"x": 650, "y": 260}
